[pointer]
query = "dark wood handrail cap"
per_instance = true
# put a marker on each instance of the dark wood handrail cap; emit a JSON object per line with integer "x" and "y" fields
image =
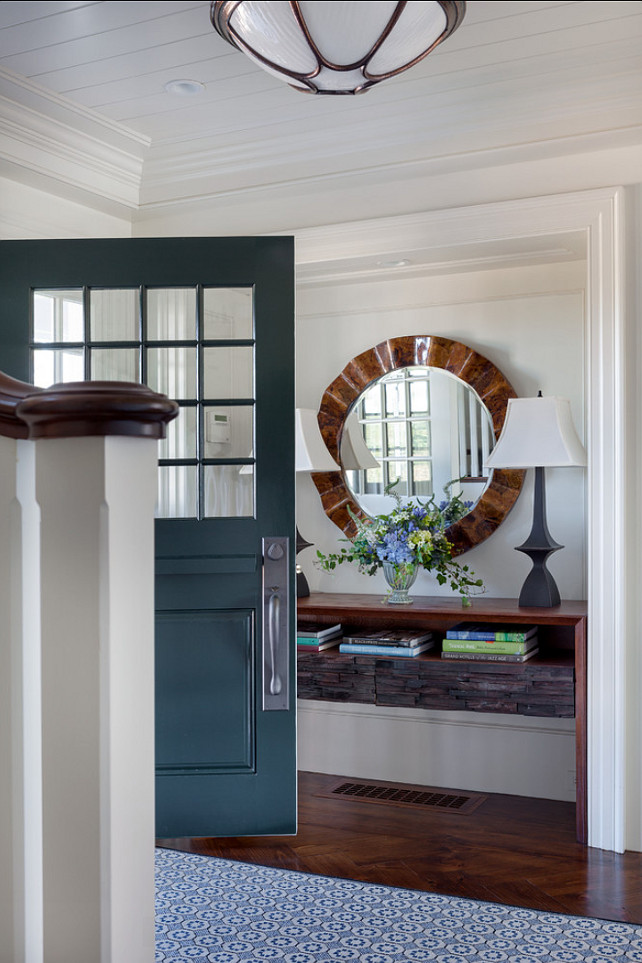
{"x": 87, "y": 408}
{"x": 12, "y": 392}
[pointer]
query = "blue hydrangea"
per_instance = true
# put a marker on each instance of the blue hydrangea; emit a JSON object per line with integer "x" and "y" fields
{"x": 395, "y": 548}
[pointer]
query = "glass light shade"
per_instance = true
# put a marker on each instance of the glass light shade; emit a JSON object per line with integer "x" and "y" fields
{"x": 537, "y": 433}
{"x": 311, "y": 452}
{"x": 336, "y": 46}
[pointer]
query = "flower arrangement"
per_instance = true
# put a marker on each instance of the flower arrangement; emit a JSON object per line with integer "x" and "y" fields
{"x": 411, "y": 536}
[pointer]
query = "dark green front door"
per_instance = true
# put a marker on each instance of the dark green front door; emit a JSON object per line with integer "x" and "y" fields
{"x": 210, "y": 322}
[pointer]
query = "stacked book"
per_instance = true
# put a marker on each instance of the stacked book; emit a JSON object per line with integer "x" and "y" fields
{"x": 485, "y": 643}
{"x": 392, "y": 642}
{"x": 313, "y": 637}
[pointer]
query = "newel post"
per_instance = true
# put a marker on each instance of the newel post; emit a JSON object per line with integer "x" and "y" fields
{"x": 93, "y": 476}
{"x": 20, "y": 793}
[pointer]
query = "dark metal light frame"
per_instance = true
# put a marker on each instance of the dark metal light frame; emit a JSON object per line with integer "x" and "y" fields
{"x": 221, "y": 12}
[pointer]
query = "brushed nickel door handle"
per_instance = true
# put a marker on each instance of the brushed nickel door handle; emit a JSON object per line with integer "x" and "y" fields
{"x": 276, "y": 624}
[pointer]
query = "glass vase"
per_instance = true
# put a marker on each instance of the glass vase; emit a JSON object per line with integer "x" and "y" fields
{"x": 400, "y": 578}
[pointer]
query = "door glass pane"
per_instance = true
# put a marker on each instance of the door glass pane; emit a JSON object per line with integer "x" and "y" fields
{"x": 374, "y": 481}
{"x": 396, "y": 399}
{"x": 229, "y": 491}
{"x": 181, "y": 436}
{"x": 114, "y": 314}
{"x": 396, "y": 438}
{"x": 58, "y": 315}
{"x": 420, "y": 438}
{"x": 177, "y": 491}
{"x": 171, "y": 314}
{"x": 372, "y": 402}
{"x": 418, "y": 396}
{"x": 373, "y": 439}
{"x": 228, "y": 372}
{"x": 114, "y": 364}
{"x": 398, "y": 472}
{"x": 172, "y": 371}
{"x": 421, "y": 478}
{"x": 229, "y": 432}
{"x": 228, "y": 313}
{"x": 53, "y": 367}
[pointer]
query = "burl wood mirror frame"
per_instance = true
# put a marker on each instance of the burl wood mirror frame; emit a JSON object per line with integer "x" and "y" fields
{"x": 471, "y": 367}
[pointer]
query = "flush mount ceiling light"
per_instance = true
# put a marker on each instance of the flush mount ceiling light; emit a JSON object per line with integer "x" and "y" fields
{"x": 333, "y": 47}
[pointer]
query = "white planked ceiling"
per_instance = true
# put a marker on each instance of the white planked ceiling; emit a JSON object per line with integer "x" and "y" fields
{"x": 515, "y": 74}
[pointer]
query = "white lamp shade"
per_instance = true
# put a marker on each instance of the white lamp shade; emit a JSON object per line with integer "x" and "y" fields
{"x": 336, "y": 46}
{"x": 537, "y": 433}
{"x": 311, "y": 451}
{"x": 355, "y": 455}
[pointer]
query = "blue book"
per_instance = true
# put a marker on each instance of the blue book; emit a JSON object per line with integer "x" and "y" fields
{"x": 483, "y": 633}
{"x": 407, "y": 651}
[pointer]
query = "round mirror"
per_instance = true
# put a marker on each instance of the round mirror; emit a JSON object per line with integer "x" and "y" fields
{"x": 422, "y": 430}
{"x": 425, "y": 411}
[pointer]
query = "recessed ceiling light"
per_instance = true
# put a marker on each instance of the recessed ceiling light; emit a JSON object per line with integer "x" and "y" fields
{"x": 402, "y": 262}
{"x": 184, "y": 88}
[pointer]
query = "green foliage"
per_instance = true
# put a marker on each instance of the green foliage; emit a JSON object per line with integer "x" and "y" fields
{"x": 411, "y": 534}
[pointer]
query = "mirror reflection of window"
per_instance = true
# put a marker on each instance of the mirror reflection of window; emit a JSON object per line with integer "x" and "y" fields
{"x": 423, "y": 427}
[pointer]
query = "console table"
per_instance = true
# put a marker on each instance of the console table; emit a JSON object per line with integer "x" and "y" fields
{"x": 552, "y": 683}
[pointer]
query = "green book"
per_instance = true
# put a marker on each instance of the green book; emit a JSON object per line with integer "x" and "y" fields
{"x": 491, "y": 656}
{"x": 489, "y": 647}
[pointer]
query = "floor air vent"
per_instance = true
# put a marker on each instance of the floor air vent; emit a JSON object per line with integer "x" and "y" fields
{"x": 397, "y": 794}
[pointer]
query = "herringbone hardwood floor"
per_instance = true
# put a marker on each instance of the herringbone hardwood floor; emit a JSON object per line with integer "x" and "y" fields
{"x": 510, "y": 850}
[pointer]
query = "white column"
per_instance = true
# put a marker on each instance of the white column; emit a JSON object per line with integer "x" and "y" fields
{"x": 20, "y": 758}
{"x": 26, "y": 635}
{"x": 96, "y": 496}
{"x": 12, "y": 874}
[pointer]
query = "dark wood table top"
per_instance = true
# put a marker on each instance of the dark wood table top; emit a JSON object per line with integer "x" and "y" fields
{"x": 324, "y": 606}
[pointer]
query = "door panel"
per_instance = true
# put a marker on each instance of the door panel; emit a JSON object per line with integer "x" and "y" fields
{"x": 209, "y": 321}
{"x": 196, "y": 733}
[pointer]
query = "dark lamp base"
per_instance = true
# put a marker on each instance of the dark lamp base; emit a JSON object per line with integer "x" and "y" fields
{"x": 302, "y": 587}
{"x": 539, "y": 590}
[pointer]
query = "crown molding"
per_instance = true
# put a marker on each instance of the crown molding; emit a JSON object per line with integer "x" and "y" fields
{"x": 244, "y": 169}
{"x": 53, "y": 144}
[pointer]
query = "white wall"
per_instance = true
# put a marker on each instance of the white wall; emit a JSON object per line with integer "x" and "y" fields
{"x": 530, "y": 323}
{"x": 485, "y": 752}
{"x": 26, "y": 212}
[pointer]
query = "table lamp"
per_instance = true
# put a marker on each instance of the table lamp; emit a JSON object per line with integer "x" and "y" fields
{"x": 311, "y": 455}
{"x": 538, "y": 433}
{"x": 355, "y": 455}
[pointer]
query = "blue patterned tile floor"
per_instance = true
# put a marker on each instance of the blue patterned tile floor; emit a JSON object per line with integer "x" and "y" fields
{"x": 221, "y": 911}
